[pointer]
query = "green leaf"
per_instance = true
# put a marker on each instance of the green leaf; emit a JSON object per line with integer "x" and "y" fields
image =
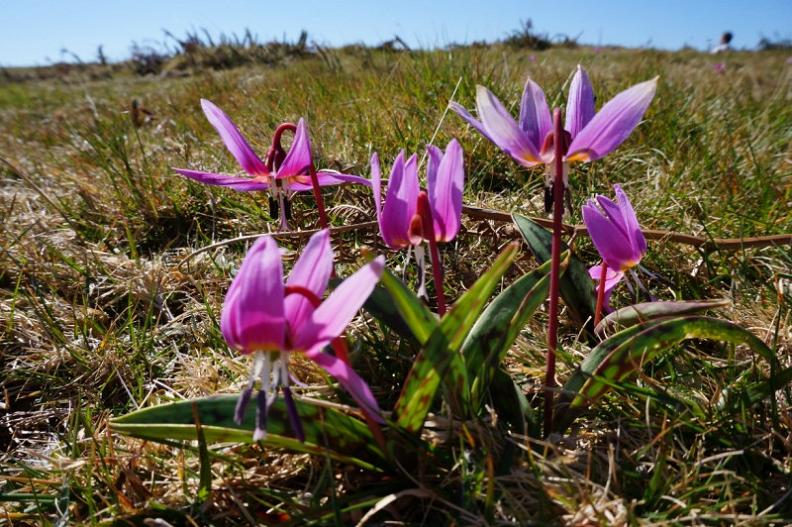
{"x": 511, "y": 405}
{"x": 440, "y": 357}
{"x": 328, "y": 431}
{"x": 637, "y": 313}
{"x": 499, "y": 325}
{"x": 413, "y": 312}
{"x": 577, "y": 288}
{"x": 381, "y": 305}
{"x": 616, "y": 358}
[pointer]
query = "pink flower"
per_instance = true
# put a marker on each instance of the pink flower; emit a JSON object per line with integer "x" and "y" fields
{"x": 291, "y": 174}
{"x": 530, "y": 141}
{"x": 263, "y": 316}
{"x": 399, "y": 216}
{"x": 615, "y": 232}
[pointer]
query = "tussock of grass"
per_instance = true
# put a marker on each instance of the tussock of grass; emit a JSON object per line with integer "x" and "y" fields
{"x": 96, "y": 318}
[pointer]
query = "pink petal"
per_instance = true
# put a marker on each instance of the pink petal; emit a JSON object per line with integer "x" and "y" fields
{"x": 312, "y": 271}
{"x": 612, "y": 278}
{"x": 535, "y": 119}
{"x": 330, "y": 319}
{"x": 400, "y": 202}
{"x": 233, "y": 139}
{"x": 237, "y": 183}
{"x": 253, "y": 312}
{"x": 634, "y": 233}
{"x": 472, "y": 121}
{"x": 445, "y": 191}
{"x": 610, "y": 241}
{"x": 502, "y": 129}
{"x": 349, "y": 379}
{"x": 580, "y": 105}
{"x": 613, "y": 124}
{"x": 325, "y": 178}
{"x": 298, "y": 160}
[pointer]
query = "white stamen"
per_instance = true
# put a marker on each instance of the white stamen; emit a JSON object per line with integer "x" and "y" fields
{"x": 265, "y": 375}
{"x": 284, "y": 368}
{"x": 420, "y": 259}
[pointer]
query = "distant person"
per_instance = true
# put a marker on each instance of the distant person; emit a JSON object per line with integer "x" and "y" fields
{"x": 725, "y": 42}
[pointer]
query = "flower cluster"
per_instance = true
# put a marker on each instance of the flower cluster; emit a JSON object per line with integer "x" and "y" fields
{"x": 272, "y": 319}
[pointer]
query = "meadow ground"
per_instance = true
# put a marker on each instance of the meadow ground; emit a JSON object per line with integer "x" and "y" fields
{"x": 100, "y": 315}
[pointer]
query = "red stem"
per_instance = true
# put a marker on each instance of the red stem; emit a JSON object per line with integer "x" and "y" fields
{"x": 317, "y": 192}
{"x": 555, "y": 268}
{"x": 427, "y": 228}
{"x": 600, "y": 294}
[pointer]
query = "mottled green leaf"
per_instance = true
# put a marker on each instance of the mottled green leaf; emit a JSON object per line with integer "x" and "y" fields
{"x": 413, "y": 312}
{"x": 499, "y": 325}
{"x": 623, "y": 354}
{"x": 576, "y": 287}
{"x": 328, "y": 432}
{"x": 645, "y": 311}
{"x": 440, "y": 357}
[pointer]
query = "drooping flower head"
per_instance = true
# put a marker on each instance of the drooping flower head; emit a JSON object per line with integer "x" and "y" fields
{"x": 592, "y": 135}
{"x": 615, "y": 232}
{"x": 400, "y": 216}
{"x": 265, "y": 317}
{"x": 291, "y": 173}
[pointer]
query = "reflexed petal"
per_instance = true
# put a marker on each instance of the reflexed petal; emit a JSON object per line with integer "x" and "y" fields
{"x": 253, "y": 312}
{"x": 613, "y": 123}
{"x": 612, "y": 278}
{"x": 611, "y": 243}
{"x": 435, "y": 158}
{"x": 349, "y": 379}
{"x": 472, "y": 121}
{"x": 503, "y": 130}
{"x": 241, "y": 184}
{"x": 298, "y": 160}
{"x": 312, "y": 271}
{"x": 331, "y": 318}
{"x": 634, "y": 233}
{"x": 233, "y": 139}
{"x": 400, "y": 202}
{"x": 445, "y": 191}
{"x": 580, "y": 105}
{"x": 325, "y": 178}
{"x": 535, "y": 118}
{"x": 614, "y": 213}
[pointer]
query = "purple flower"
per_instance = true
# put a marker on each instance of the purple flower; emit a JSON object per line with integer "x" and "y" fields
{"x": 399, "y": 217}
{"x": 292, "y": 174}
{"x": 615, "y": 232}
{"x": 264, "y": 317}
{"x": 719, "y": 67}
{"x": 530, "y": 141}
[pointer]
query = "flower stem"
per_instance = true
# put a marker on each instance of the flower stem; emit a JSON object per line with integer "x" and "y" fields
{"x": 317, "y": 192}
{"x": 600, "y": 293}
{"x": 555, "y": 268}
{"x": 427, "y": 228}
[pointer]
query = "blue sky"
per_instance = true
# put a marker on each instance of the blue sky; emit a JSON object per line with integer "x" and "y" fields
{"x": 32, "y": 31}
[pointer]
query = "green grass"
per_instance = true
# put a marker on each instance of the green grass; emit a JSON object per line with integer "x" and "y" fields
{"x": 97, "y": 318}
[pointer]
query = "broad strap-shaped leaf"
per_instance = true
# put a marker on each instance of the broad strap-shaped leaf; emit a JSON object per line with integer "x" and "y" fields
{"x": 576, "y": 287}
{"x": 497, "y": 328}
{"x": 511, "y": 404}
{"x": 328, "y": 431}
{"x": 414, "y": 313}
{"x": 381, "y": 306}
{"x": 440, "y": 357}
{"x": 645, "y": 311}
{"x": 618, "y": 357}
